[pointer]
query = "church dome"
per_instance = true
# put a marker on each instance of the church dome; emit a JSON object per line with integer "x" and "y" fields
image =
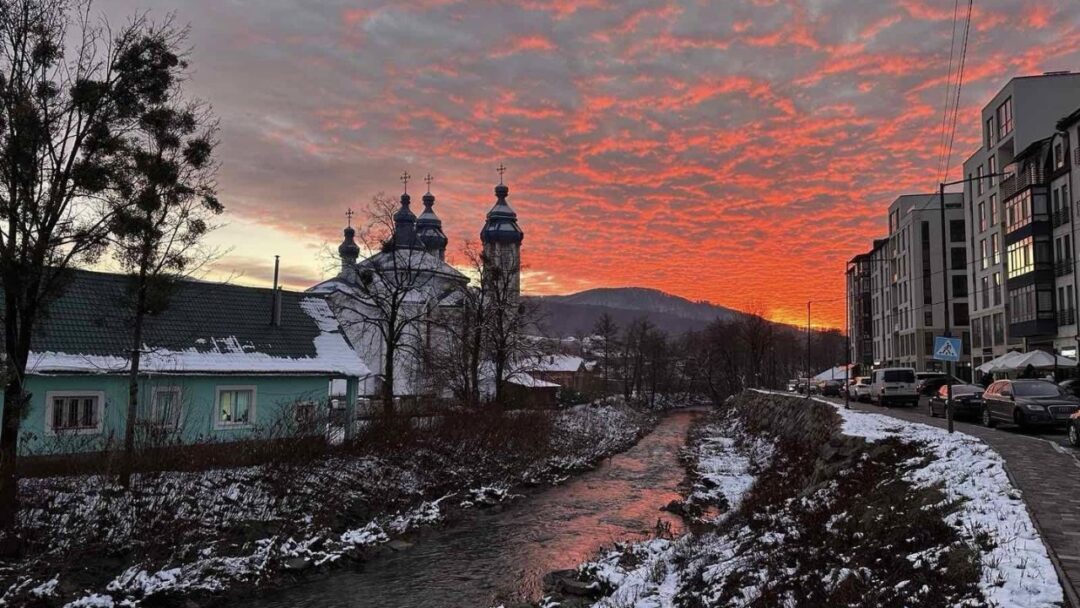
{"x": 501, "y": 225}
{"x": 429, "y": 227}
{"x": 405, "y": 225}
{"x": 348, "y": 249}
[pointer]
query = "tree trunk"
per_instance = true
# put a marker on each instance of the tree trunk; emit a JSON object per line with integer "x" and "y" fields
{"x": 388, "y": 379}
{"x": 133, "y": 382}
{"x": 17, "y": 351}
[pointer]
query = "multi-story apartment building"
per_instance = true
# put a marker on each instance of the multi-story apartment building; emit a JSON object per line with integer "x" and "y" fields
{"x": 903, "y": 280}
{"x": 1022, "y": 114}
{"x": 1065, "y": 189}
{"x": 859, "y": 311}
{"x": 920, "y": 275}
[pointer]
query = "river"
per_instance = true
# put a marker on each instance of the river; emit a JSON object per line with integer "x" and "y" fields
{"x": 500, "y": 556}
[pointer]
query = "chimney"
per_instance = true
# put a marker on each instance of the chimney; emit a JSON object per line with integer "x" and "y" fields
{"x": 275, "y": 301}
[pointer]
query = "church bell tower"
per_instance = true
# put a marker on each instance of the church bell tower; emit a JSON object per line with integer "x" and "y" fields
{"x": 501, "y": 236}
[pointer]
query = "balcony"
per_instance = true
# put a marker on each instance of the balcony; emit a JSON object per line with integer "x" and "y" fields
{"x": 1067, "y": 317}
{"x": 1021, "y": 177}
{"x": 1063, "y": 268}
{"x": 1060, "y": 217}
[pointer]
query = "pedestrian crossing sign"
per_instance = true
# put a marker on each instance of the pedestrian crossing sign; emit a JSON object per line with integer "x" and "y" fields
{"x": 946, "y": 349}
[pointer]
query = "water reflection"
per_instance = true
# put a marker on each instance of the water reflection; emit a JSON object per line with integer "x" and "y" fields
{"x": 493, "y": 557}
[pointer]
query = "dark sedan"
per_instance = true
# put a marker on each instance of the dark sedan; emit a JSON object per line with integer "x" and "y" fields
{"x": 966, "y": 401}
{"x": 1074, "y": 430}
{"x": 1027, "y": 403}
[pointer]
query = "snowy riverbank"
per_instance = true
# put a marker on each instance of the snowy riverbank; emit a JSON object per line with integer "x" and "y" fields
{"x": 201, "y": 534}
{"x": 822, "y": 506}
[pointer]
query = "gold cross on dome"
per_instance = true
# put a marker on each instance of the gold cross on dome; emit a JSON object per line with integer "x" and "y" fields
{"x": 349, "y": 215}
{"x": 428, "y": 180}
{"x": 501, "y": 169}
{"x": 405, "y": 177}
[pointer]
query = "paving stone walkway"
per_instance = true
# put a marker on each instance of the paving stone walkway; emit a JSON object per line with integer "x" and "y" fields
{"x": 1047, "y": 474}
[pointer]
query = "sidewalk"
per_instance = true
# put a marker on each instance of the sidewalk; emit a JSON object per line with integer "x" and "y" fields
{"x": 1047, "y": 474}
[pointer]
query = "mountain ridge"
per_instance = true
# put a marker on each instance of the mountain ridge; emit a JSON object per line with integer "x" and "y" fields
{"x": 576, "y": 313}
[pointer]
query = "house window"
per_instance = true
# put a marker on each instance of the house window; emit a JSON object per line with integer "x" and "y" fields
{"x": 235, "y": 406}
{"x": 73, "y": 412}
{"x": 1005, "y": 119}
{"x": 166, "y": 407}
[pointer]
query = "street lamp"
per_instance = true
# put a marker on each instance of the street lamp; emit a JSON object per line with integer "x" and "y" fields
{"x": 945, "y": 283}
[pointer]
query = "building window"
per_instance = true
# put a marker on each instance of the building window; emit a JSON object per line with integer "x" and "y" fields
{"x": 166, "y": 407}
{"x": 956, "y": 231}
{"x": 235, "y": 406}
{"x": 976, "y": 334}
{"x": 959, "y": 258}
{"x": 1018, "y": 211}
{"x": 928, "y": 343}
{"x": 997, "y": 289}
{"x": 1021, "y": 258}
{"x": 995, "y": 248}
{"x": 989, "y": 133}
{"x": 978, "y": 180}
{"x": 984, "y": 284}
{"x": 74, "y": 412}
{"x": 991, "y": 169}
{"x": 960, "y": 313}
{"x": 959, "y": 286}
{"x": 982, "y": 217}
{"x": 984, "y": 258}
{"x": 928, "y": 318}
{"x": 1005, "y": 119}
{"x": 993, "y": 210}
{"x": 1059, "y": 155}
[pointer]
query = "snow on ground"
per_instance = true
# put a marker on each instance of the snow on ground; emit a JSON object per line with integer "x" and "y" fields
{"x": 726, "y": 459}
{"x": 1017, "y": 570}
{"x": 198, "y": 514}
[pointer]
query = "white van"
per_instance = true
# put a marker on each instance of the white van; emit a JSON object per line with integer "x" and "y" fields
{"x": 894, "y": 385}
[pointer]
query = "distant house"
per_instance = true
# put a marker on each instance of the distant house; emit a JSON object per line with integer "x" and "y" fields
{"x": 568, "y": 371}
{"x": 218, "y": 365}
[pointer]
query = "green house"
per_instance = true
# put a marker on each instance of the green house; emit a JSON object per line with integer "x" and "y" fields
{"x": 219, "y": 363}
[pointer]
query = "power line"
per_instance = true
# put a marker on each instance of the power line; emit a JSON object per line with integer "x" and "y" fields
{"x": 948, "y": 92}
{"x": 959, "y": 85}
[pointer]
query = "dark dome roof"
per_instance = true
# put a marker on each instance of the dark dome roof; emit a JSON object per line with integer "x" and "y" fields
{"x": 429, "y": 226}
{"x": 348, "y": 247}
{"x": 501, "y": 225}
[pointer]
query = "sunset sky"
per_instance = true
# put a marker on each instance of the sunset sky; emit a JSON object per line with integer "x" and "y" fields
{"x": 736, "y": 152}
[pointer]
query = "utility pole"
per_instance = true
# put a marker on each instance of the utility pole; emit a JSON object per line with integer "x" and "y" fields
{"x": 808, "y": 349}
{"x": 945, "y": 284}
{"x": 945, "y": 291}
{"x": 847, "y": 340}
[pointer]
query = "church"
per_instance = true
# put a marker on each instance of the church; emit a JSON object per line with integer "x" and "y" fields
{"x": 395, "y": 295}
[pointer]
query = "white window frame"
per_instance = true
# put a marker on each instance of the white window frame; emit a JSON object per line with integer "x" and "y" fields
{"x": 50, "y": 396}
{"x": 155, "y": 418}
{"x": 221, "y": 425}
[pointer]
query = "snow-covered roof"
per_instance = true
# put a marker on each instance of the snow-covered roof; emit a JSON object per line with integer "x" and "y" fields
{"x": 522, "y": 379}
{"x": 205, "y": 328}
{"x": 558, "y": 363}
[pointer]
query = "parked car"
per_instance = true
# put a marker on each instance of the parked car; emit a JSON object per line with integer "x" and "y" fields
{"x": 967, "y": 400}
{"x": 1071, "y": 386}
{"x": 861, "y": 390}
{"x": 1027, "y": 403}
{"x": 894, "y": 385}
{"x": 929, "y": 385}
{"x": 924, "y": 378}
{"x": 831, "y": 388}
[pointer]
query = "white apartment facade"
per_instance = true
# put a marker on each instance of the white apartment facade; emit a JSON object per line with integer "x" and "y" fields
{"x": 1024, "y": 112}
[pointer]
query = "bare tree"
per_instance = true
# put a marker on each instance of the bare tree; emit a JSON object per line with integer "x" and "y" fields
{"x": 393, "y": 294}
{"x": 166, "y": 196}
{"x": 63, "y": 113}
{"x": 608, "y": 331}
{"x": 507, "y": 321}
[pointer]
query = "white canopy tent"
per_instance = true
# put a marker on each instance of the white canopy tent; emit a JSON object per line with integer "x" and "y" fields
{"x": 999, "y": 364}
{"x": 1038, "y": 359}
{"x": 837, "y": 373}
{"x": 1016, "y": 361}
